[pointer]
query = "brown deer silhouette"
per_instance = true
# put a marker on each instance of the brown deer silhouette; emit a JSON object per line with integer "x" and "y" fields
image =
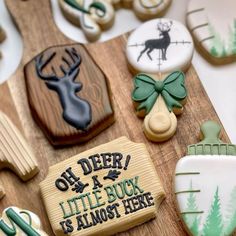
{"x": 76, "y": 111}
{"x": 162, "y": 43}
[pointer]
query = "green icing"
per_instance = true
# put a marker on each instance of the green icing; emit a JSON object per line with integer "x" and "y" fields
{"x": 16, "y": 219}
{"x": 96, "y": 5}
{"x": 147, "y": 90}
{"x": 213, "y": 225}
{"x": 219, "y": 47}
{"x": 230, "y": 223}
{"x": 211, "y": 144}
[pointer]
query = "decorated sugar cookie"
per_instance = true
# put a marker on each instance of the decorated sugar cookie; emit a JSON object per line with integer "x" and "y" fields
{"x": 68, "y": 95}
{"x": 205, "y": 187}
{"x": 15, "y": 152}
{"x": 213, "y": 26}
{"x": 103, "y": 191}
{"x": 158, "y": 51}
{"x": 91, "y": 16}
{"x": 15, "y": 221}
{"x": 149, "y": 9}
{"x": 160, "y": 46}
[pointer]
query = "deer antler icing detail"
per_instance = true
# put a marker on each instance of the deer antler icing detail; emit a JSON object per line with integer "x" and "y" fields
{"x": 76, "y": 111}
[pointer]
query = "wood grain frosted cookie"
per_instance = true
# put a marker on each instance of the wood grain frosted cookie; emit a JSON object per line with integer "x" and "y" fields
{"x": 213, "y": 26}
{"x": 15, "y": 221}
{"x": 15, "y": 154}
{"x": 108, "y": 189}
{"x": 68, "y": 95}
{"x": 158, "y": 50}
{"x": 91, "y": 16}
{"x": 205, "y": 186}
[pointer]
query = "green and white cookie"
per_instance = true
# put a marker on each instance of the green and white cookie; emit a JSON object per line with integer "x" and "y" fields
{"x": 205, "y": 185}
{"x": 213, "y": 26}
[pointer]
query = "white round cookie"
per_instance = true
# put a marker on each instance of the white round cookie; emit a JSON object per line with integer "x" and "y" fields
{"x": 213, "y": 26}
{"x": 160, "y": 46}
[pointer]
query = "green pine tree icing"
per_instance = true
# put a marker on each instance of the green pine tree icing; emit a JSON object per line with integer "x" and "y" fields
{"x": 220, "y": 48}
{"x": 213, "y": 225}
{"x": 230, "y": 223}
{"x": 192, "y": 220}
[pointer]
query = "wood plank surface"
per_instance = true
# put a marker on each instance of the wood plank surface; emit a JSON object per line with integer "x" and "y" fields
{"x": 34, "y": 19}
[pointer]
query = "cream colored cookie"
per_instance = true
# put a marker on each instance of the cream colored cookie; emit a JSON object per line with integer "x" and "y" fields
{"x": 149, "y": 9}
{"x": 108, "y": 189}
{"x": 159, "y": 100}
{"x": 15, "y": 153}
{"x": 15, "y": 221}
{"x": 213, "y": 26}
{"x": 91, "y": 16}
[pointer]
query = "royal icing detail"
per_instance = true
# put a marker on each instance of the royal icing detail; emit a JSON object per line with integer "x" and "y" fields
{"x": 204, "y": 185}
{"x": 68, "y": 95}
{"x": 15, "y": 152}
{"x": 148, "y": 9}
{"x": 214, "y": 29}
{"x": 76, "y": 111}
{"x": 91, "y": 16}
{"x": 152, "y": 48}
{"x": 15, "y": 221}
{"x": 105, "y": 190}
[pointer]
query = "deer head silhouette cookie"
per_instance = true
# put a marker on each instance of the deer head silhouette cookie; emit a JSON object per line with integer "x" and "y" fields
{"x": 157, "y": 53}
{"x": 68, "y": 95}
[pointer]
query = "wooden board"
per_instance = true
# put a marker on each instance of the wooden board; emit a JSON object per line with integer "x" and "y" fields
{"x": 42, "y": 33}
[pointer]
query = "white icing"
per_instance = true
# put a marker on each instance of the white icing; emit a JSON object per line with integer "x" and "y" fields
{"x": 215, "y": 19}
{"x": 178, "y": 55}
{"x": 35, "y": 221}
{"x": 215, "y": 171}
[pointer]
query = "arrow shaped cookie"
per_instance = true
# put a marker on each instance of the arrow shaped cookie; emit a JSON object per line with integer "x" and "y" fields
{"x": 205, "y": 186}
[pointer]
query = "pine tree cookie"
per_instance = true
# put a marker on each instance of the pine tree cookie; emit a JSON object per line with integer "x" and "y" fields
{"x": 15, "y": 221}
{"x": 205, "y": 186}
{"x": 158, "y": 51}
{"x": 213, "y": 26}
{"x": 91, "y": 16}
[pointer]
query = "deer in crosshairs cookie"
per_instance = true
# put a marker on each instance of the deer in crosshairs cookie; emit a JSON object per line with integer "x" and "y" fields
{"x": 161, "y": 43}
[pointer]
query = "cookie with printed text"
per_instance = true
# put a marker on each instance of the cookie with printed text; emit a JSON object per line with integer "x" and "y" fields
{"x": 108, "y": 189}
